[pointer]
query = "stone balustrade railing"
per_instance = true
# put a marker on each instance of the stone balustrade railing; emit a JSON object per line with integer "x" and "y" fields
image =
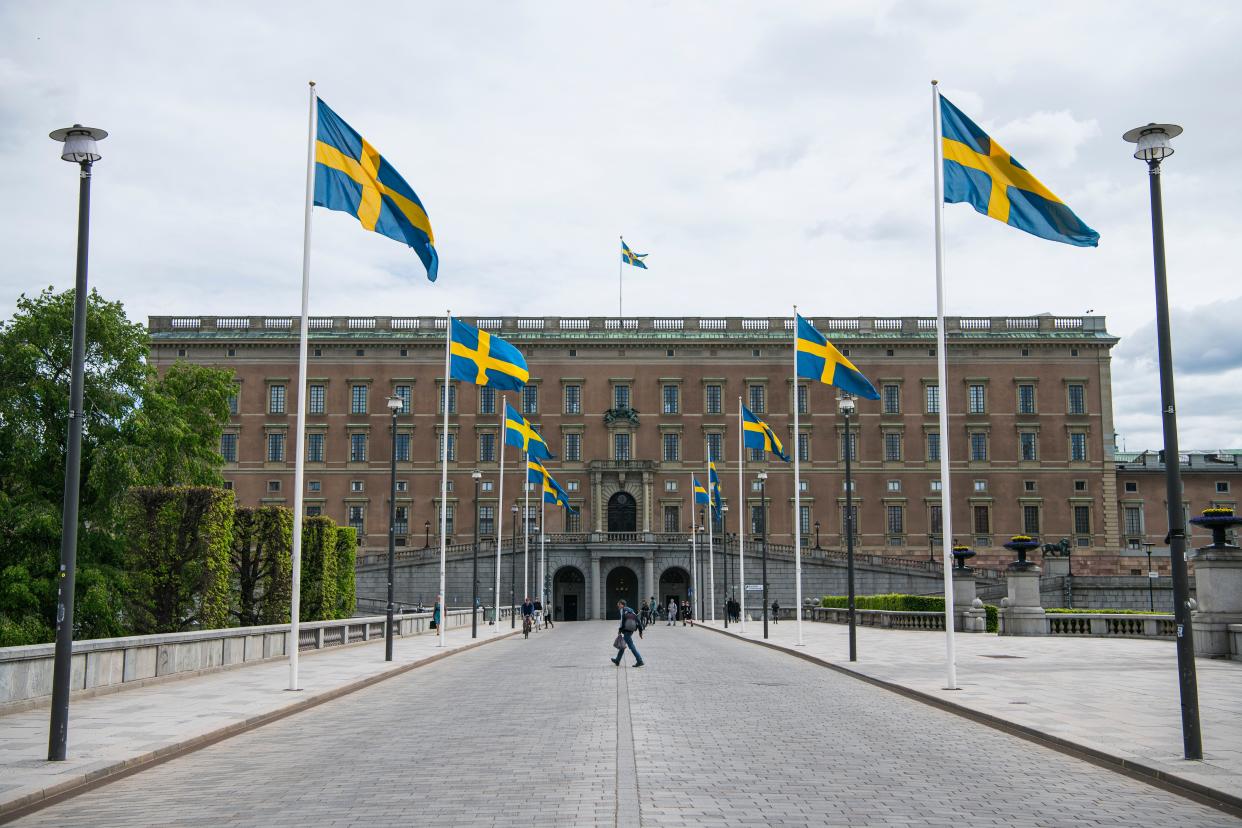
{"x": 891, "y": 619}
{"x": 1107, "y": 625}
{"x": 751, "y": 327}
{"x": 1235, "y": 642}
{"x": 106, "y": 664}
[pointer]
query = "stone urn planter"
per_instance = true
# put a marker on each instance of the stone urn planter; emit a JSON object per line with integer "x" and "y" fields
{"x": 1218, "y": 584}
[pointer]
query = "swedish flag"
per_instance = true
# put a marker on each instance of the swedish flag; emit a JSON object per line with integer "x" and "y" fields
{"x": 557, "y": 496}
{"x": 978, "y": 171}
{"x": 477, "y": 356}
{"x": 819, "y": 360}
{"x": 520, "y": 433}
{"x": 714, "y": 482}
{"x": 756, "y": 434}
{"x": 351, "y": 176}
{"x": 630, "y": 257}
{"x": 700, "y": 491}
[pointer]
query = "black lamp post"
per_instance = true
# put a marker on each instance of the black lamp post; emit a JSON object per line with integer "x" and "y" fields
{"x": 846, "y": 406}
{"x": 698, "y": 554}
{"x": 426, "y": 534}
{"x": 1151, "y": 590}
{"x": 763, "y": 511}
{"x": 80, "y": 148}
{"x": 513, "y": 570}
{"x": 395, "y": 404}
{"x": 817, "y": 546}
{"x": 1152, "y": 143}
{"x": 476, "y": 475}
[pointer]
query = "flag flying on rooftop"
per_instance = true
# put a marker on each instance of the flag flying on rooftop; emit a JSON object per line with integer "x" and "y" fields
{"x": 978, "y": 171}
{"x": 483, "y": 359}
{"x": 351, "y": 176}
{"x": 629, "y": 257}
{"x": 756, "y": 434}
{"x": 819, "y": 360}
{"x": 520, "y": 434}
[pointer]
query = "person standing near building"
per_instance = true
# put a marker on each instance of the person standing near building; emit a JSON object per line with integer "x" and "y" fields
{"x": 630, "y": 624}
{"x": 776, "y": 608}
{"x": 672, "y": 612}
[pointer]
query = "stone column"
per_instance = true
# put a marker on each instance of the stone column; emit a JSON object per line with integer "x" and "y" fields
{"x": 1024, "y": 615}
{"x": 966, "y": 616}
{"x": 1218, "y": 589}
{"x": 597, "y": 591}
{"x": 648, "y": 577}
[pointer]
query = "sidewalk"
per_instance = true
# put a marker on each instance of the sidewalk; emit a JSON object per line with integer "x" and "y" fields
{"x": 113, "y": 733}
{"x": 1115, "y": 697}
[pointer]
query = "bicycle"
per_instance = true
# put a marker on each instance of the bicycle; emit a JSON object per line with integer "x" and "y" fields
{"x": 526, "y": 625}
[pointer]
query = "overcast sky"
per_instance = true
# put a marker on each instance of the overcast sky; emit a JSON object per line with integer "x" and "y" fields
{"x": 761, "y": 153}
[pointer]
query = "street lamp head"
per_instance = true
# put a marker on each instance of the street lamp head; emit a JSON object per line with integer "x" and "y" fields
{"x": 395, "y": 404}
{"x": 476, "y": 475}
{"x": 724, "y": 507}
{"x": 762, "y": 476}
{"x": 1152, "y": 141}
{"x": 817, "y": 526}
{"x": 846, "y": 406}
{"x": 79, "y": 143}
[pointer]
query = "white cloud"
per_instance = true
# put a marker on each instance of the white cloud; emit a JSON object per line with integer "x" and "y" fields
{"x": 789, "y": 142}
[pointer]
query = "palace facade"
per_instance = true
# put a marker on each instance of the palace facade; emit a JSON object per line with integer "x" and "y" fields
{"x": 632, "y": 405}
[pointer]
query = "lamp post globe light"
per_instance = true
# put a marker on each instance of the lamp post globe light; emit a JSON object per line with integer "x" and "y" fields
{"x": 1152, "y": 146}
{"x": 846, "y": 407}
{"x": 513, "y": 510}
{"x": 763, "y": 525}
{"x": 395, "y": 404}
{"x": 81, "y": 149}
{"x": 475, "y": 475}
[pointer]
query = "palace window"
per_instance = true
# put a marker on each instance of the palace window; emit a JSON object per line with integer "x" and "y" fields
{"x": 228, "y": 447}
{"x": 276, "y": 399}
{"x": 276, "y": 447}
{"x": 315, "y": 400}
{"x": 314, "y": 448}
{"x": 358, "y": 399}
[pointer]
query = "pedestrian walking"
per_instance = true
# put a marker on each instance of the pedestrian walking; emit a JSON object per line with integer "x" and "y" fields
{"x": 435, "y": 615}
{"x": 687, "y": 614}
{"x": 776, "y": 608}
{"x": 630, "y": 624}
{"x": 672, "y": 612}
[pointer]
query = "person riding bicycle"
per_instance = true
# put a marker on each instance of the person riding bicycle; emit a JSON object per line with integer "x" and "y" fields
{"x": 528, "y": 612}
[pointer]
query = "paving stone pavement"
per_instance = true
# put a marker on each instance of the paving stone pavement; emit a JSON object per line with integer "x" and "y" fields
{"x": 722, "y": 732}
{"x": 1118, "y": 696}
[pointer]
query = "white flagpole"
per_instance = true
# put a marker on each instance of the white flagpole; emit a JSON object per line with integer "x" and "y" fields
{"x": 500, "y": 509}
{"x": 711, "y": 565}
{"x": 543, "y": 561}
{"x": 620, "y": 265}
{"x": 694, "y": 551}
{"x": 743, "y": 516}
{"x": 797, "y": 447}
{"x": 448, "y": 351}
{"x": 299, "y": 467}
{"x": 526, "y": 531}
{"x": 946, "y": 499}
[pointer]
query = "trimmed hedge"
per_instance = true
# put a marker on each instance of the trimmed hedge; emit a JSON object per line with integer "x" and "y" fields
{"x": 901, "y": 602}
{"x": 177, "y": 557}
{"x": 319, "y": 577}
{"x": 346, "y": 559}
{"x": 1064, "y": 610}
{"x": 262, "y": 565}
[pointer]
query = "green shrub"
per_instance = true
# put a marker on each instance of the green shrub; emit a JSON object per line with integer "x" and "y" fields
{"x": 346, "y": 559}
{"x": 261, "y": 565}
{"x": 1102, "y": 611}
{"x": 993, "y": 622}
{"x": 319, "y": 579}
{"x": 177, "y": 558}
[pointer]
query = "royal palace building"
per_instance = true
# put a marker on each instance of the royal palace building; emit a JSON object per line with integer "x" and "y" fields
{"x": 631, "y": 406}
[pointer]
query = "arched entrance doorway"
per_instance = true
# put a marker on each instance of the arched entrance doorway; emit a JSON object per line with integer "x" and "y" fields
{"x": 674, "y": 585}
{"x": 568, "y": 594}
{"x": 622, "y": 585}
{"x": 622, "y": 513}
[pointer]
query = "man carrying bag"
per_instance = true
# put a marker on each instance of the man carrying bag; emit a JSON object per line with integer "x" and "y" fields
{"x": 630, "y": 624}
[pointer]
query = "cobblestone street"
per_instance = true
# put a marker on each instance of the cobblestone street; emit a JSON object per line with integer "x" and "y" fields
{"x": 720, "y": 732}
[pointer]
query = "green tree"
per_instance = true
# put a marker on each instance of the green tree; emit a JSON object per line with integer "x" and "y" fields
{"x": 35, "y": 363}
{"x": 262, "y": 565}
{"x": 138, "y": 429}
